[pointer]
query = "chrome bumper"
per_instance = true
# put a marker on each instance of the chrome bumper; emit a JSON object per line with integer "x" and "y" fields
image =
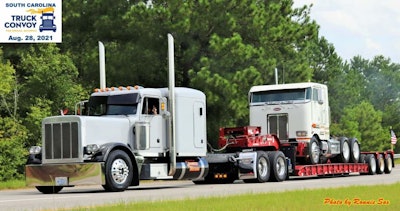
{"x": 64, "y": 174}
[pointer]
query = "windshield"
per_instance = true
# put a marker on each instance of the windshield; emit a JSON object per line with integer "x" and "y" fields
{"x": 287, "y": 95}
{"x": 113, "y": 105}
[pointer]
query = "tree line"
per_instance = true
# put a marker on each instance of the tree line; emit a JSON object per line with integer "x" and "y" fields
{"x": 222, "y": 48}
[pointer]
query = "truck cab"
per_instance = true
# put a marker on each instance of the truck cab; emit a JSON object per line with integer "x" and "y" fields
{"x": 47, "y": 21}
{"x": 120, "y": 136}
{"x": 295, "y": 112}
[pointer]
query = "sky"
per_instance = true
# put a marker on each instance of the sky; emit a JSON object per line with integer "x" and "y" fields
{"x": 359, "y": 27}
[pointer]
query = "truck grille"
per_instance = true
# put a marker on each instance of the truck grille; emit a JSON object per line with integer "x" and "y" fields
{"x": 278, "y": 124}
{"x": 61, "y": 141}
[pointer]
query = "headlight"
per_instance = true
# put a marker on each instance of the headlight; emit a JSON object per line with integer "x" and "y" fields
{"x": 35, "y": 150}
{"x": 92, "y": 148}
{"x": 301, "y": 133}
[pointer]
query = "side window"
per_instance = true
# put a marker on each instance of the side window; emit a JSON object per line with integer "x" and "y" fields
{"x": 315, "y": 95}
{"x": 151, "y": 106}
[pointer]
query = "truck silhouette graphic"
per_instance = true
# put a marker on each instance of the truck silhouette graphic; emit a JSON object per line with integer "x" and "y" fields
{"x": 48, "y": 21}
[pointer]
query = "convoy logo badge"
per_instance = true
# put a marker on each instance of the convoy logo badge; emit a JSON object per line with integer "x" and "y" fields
{"x": 27, "y": 21}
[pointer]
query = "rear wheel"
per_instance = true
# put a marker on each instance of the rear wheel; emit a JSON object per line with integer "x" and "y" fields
{"x": 278, "y": 166}
{"x": 262, "y": 168}
{"x": 354, "y": 151}
{"x": 362, "y": 158}
{"x": 380, "y": 164}
{"x": 49, "y": 189}
{"x": 388, "y": 164}
{"x": 119, "y": 171}
{"x": 344, "y": 156}
{"x": 370, "y": 159}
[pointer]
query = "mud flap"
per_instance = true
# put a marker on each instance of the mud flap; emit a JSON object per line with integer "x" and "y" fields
{"x": 247, "y": 165}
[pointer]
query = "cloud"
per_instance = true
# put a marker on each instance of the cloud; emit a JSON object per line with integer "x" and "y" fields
{"x": 359, "y": 27}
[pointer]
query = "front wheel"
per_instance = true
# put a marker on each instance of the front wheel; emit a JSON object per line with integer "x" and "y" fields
{"x": 119, "y": 171}
{"x": 313, "y": 151}
{"x": 49, "y": 189}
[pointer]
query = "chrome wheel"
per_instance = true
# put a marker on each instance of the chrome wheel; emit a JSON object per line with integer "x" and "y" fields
{"x": 314, "y": 151}
{"x": 119, "y": 171}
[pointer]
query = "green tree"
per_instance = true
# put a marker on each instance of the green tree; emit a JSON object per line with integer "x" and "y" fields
{"x": 13, "y": 134}
{"x": 12, "y": 146}
{"x": 364, "y": 122}
{"x": 50, "y": 86}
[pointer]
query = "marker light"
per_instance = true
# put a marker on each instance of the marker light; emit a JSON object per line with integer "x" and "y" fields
{"x": 162, "y": 106}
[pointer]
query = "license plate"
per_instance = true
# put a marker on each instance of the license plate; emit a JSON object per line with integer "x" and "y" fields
{"x": 61, "y": 181}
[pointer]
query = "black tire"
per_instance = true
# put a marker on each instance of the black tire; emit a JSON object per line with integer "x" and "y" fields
{"x": 388, "y": 164}
{"x": 278, "y": 166}
{"x": 380, "y": 164}
{"x": 354, "y": 151}
{"x": 119, "y": 171}
{"x": 313, "y": 151}
{"x": 370, "y": 159}
{"x": 344, "y": 155}
{"x": 263, "y": 168}
{"x": 362, "y": 158}
{"x": 49, "y": 189}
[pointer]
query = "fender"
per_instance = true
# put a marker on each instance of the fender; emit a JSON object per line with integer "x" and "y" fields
{"x": 104, "y": 151}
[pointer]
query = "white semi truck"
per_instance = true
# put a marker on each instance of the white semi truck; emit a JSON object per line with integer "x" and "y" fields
{"x": 122, "y": 135}
{"x": 299, "y": 114}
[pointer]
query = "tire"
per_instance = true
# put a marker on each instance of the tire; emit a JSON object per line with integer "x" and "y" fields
{"x": 49, "y": 189}
{"x": 313, "y": 151}
{"x": 388, "y": 164}
{"x": 278, "y": 166}
{"x": 380, "y": 164}
{"x": 362, "y": 158}
{"x": 354, "y": 151}
{"x": 119, "y": 171}
{"x": 344, "y": 156}
{"x": 370, "y": 159}
{"x": 263, "y": 168}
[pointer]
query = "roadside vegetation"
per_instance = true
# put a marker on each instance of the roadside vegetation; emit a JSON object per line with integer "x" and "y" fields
{"x": 377, "y": 197}
{"x": 222, "y": 48}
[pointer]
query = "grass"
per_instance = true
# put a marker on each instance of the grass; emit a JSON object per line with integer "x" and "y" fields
{"x": 378, "y": 197}
{"x": 397, "y": 161}
{"x": 12, "y": 184}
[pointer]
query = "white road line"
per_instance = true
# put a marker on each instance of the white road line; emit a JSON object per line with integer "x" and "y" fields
{"x": 47, "y": 198}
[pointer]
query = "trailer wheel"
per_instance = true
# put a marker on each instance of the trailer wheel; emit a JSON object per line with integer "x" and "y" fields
{"x": 380, "y": 164}
{"x": 313, "y": 151}
{"x": 388, "y": 164}
{"x": 278, "y": 166}
{"x": 118, "y": 171}
{"x": 49, "y": 189}
{"x": 370, "y": 159}
{"x": 354, "y": 151}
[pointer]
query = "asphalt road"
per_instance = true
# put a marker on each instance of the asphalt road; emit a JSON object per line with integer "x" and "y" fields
{"x": 31, "y": 199}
